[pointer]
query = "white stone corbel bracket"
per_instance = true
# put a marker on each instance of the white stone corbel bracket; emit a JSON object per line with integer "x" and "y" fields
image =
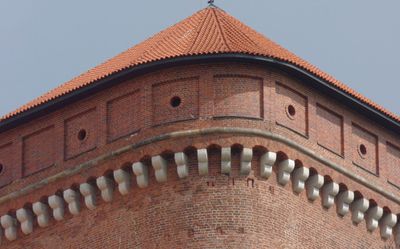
{"x": 386, "y": 224}
{"x": 89, "y": 194}
{"x": 358, "y": 208}
{"x": 72, "y": 198}
{"x": 202, "y": 159}
{"x": 106, "y": 187}
{"x": 182, "y": 167}
{"x": 372, "y": 217}
{"x": 141, "y": 172}
{"x": 284, "y": 169}
{"x": 9, "y": 224}
{"x": 245, "y": 161}
{"x": 329, "y": 191}
{"x": 300, "y": 176}
{"x": 123, "y": 179}
{"x": 41, "y": 211}
{"x": 160, "y": 168}
{"x": 226, "y": 160}
{"x": 267, "y": 161}
{"x": 344, "y": 199}
{"x": 25, "y": 218}
{"x": 57, "y": 204}
{"x": 313, "y": 185}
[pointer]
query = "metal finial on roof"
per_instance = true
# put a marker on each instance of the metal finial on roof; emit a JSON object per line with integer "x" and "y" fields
{"x": 211, "y": 2}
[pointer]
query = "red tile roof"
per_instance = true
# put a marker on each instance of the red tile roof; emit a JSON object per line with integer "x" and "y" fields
{"x": 209, "y": 31}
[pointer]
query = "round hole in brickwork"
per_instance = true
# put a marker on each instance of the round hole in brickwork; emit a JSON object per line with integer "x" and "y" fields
{"x": 175, "y": 101}
{"x": 291, "y": 111}
{"x": 1, "y": 169}
{"x": 82, "y": 134}
{"x": 362, "y": 150}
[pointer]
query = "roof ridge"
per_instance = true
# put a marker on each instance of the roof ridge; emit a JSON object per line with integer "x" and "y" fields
{"x": 220, "y": 29}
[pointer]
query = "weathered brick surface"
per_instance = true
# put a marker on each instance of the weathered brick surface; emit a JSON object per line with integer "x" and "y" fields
{"x": 201, "y": 212}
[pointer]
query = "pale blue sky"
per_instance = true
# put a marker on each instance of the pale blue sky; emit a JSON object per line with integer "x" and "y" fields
{"x": 44, "y": 43}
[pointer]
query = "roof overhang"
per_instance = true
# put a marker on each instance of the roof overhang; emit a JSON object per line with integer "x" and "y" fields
{"x": 305, "y": 76}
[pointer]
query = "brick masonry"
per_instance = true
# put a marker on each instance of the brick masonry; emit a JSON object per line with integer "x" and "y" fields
{"x": 189, "y": 213}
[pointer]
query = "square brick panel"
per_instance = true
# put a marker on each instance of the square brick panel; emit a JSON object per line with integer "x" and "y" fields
{"x": 291, "y": 108}
{"x": 81, "y": 133}
{"x": 393, "y": 164}
{"x": 38, "y": 151}
{"x": 7, "y": 165}
{"x": 238, "y": 96}
{"x": 330, "y": 130}
{"x": 364, "y": 149}
{"x": 124, "y": 115}
{"x": 175, "y": 100}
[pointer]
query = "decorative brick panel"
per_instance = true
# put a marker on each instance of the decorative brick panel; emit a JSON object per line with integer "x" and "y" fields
{"x": 364, "y": 149}
{"x": 175, "y": 100}
{"x": 393, "y": 164}
{"x": 330, "y": 130}
{"x": 38, "y": 151}
{"x": 291, "y": 108}
{"x": 238, "y": 96}
{"x": 124, "y": 115}
{"x": 81, "y": 133}
{"x": 6, "y": 164}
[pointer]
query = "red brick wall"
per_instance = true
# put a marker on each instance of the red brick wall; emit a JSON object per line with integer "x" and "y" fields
{"x": 247, "y": 96}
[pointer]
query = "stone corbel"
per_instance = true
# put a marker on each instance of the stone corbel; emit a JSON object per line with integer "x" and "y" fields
{"x": 89, "y": 194}
{"x": 267, "y": 161}
{"x": 141, "y": 172}
{"x": 202, "y": 159}
{"x": 300, "y": 176}
{"x": 372, "y": 217}
{"x": 386, "y": 224}
{"x": 106, "y": 187}
{"x": 245, "y": 161}
{"x": 344, "y": 199}
{"x": 123, "y": 179}
{"x": 313, "y": 185}
{"x": 9, "y": 224}
{"x": 57, "y": 204}
{"x": 226, "y": 160}
{"x": 72, "y": 198}
{"x": 25, "y": 218}
{"x": 329, "y": 191}
{"x": 358, "y": 209}
{"x": 160, "y": 168}
{"x": 182, "y": 167}
{"x": 284, "y": 169}
{"x": 41, "y": 211}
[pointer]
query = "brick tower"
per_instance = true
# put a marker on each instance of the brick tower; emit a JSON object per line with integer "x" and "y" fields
{"x": 207, "y": 135}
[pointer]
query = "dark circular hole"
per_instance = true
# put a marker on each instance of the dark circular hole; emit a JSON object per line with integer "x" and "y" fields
{"x": 175, "y": 101}
{"x": 1, "y": 168}
{"x": 363, "y": 150}
{"x": 291, "y": 110}
{"x": 82, "y": 135}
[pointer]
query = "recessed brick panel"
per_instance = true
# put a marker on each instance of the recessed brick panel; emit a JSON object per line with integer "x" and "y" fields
{"x": 186, "y": 94}
{"x": 124, "y": 115}
{"x": 330, "y": 130}
{"x": 6, "y": 164}
{"x": 75, "y": 142}
{"x": 38, "y": 151}
{"x": 393, "y": 164}
{"x": 238, "y": 96}
{"x": 364, "y": 149}
{"x": 291, "y": 108}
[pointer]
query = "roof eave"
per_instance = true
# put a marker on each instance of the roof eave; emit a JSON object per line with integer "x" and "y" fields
{"x": 121, "y": 76}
